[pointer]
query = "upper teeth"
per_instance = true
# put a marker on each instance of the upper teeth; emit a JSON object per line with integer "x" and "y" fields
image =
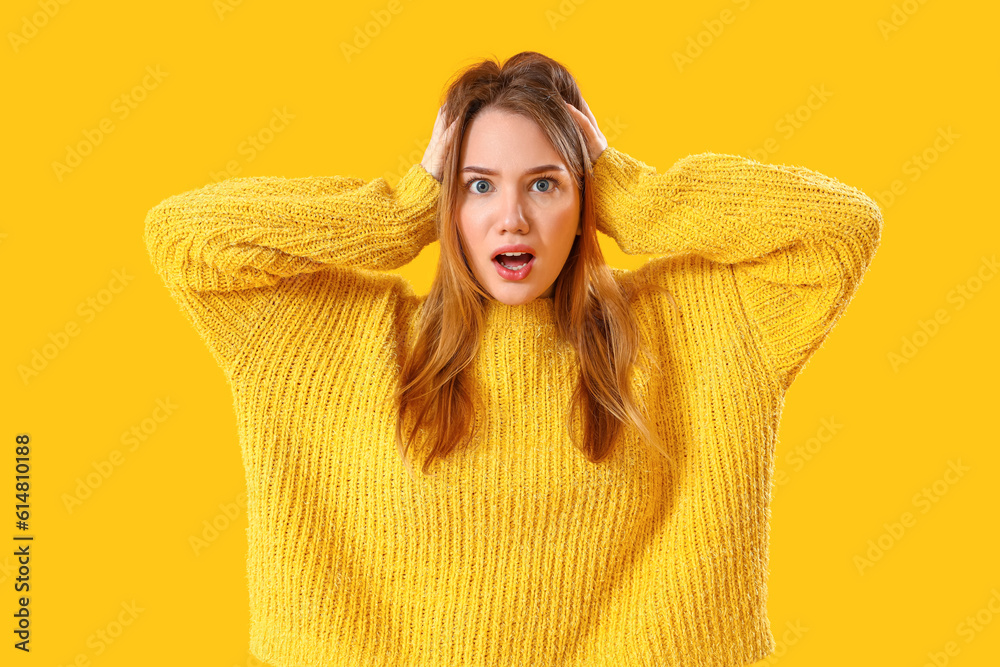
{"x": 512, "y": 254}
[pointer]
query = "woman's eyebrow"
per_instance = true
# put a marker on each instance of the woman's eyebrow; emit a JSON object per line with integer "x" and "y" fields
{"x": 533, "y": 170}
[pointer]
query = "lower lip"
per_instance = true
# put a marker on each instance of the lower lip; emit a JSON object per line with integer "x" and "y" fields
{"x": 520, "y": 274}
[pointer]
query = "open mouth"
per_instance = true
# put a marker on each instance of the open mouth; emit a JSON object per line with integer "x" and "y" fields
{"x": 514, "y": 262}
{"x": 514, "y": 267}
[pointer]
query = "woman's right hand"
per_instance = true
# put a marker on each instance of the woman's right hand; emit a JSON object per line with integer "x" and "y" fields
{"x": 596, "y": 141}
{"x": 441, "y": 138}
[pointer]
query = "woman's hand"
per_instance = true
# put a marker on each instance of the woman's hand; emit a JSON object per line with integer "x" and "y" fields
{"x": 441, "y": 137}
{"x": 596, "y": 143}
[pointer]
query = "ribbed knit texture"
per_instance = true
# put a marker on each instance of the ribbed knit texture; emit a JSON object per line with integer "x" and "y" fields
{"x": 518, "y": 551}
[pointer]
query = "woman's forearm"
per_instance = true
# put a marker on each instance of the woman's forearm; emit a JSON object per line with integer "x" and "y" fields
{"x": 731, "y": 209}
{"x": 251, "y": 232}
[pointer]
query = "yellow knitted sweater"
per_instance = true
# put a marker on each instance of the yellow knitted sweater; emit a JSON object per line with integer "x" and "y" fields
{"x": 518, "y": 551}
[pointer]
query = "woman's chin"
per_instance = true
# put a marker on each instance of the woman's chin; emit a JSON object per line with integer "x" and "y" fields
{"x": 514, "y": 295}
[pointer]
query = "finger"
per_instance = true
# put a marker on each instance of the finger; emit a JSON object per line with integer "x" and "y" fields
{"x": 586, "y": 129}
{"x": 578, "y": 116}
{"x": 587, "y": 111}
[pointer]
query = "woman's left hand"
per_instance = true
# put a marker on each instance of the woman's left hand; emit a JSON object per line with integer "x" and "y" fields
{"x": 596, "y": 143}
{"x": 441, "y": 137}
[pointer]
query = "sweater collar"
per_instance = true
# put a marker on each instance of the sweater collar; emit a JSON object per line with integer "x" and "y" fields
{"x": 537, "y": 313}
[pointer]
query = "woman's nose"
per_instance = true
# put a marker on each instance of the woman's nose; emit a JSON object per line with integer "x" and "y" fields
{"x": 512, "y": 209}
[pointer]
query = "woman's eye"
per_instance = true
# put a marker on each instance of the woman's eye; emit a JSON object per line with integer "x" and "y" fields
{"x": 482, "y": 186}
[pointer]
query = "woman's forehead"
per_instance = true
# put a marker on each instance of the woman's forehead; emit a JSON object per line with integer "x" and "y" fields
{"x": 507, "y": 143}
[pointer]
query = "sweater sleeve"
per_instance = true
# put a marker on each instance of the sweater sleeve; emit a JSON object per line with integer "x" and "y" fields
{"x": 226, "y": 250}
{"x": 796, "y": 242}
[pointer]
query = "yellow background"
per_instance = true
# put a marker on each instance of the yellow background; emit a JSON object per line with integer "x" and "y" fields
{"x": 894, "y": 77}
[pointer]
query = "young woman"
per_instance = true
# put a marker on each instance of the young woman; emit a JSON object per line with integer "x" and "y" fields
{"x": 611, "y": 507}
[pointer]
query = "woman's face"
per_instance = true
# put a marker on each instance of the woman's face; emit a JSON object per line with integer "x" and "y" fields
{"x": 514, "y": 189}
